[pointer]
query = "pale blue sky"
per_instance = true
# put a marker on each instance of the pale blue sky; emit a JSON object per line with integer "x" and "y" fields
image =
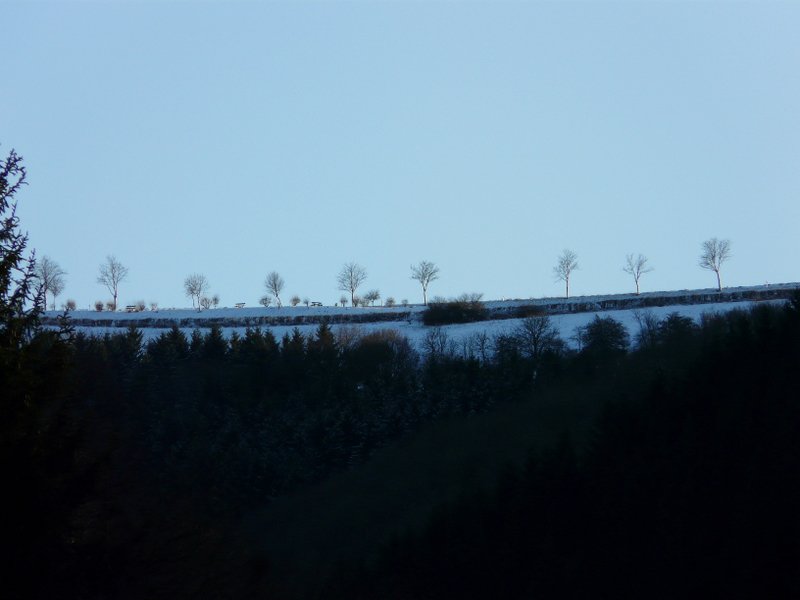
{"x": 237, "y": 138}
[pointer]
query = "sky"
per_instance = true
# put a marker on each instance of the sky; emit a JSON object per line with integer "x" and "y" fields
{"x": 233, "y": 139}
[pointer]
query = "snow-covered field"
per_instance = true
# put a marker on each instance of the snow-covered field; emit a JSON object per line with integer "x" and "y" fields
{"x": 568, "y": 324}
{"x": 408, "y": 320}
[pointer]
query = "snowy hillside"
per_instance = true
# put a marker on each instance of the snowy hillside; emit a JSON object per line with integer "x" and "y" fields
{"x": 503, "y": 315}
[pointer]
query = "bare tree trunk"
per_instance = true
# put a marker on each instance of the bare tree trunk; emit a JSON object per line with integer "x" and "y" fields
{"x": 719, "y": 282}
{"x": 567, "y": 282}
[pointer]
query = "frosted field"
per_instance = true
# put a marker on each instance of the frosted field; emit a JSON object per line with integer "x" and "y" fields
{"x": 412, "y": 327}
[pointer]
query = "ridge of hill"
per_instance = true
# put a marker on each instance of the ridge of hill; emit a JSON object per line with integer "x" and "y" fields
{"x": 495, "y": 310}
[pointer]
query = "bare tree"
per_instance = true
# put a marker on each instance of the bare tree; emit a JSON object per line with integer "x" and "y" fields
{"x": 265, "y": 301}
{"x": 566, "y": 264}
{"x": 479, "y": 345}
{"x": 274, "y": 284}
{"x": 112, "y": 272}
{"x": 350, "y": 278}
{"x": 372, "y": 296}
{"x": 295, "y": 300}
{"x": 425, "y": 272}
{"x": 636, "y": 266}
{"x": 715, "y": 252}
{"x": 537, "y": 336}
{"x": 195, "y": 285}
{"x": 51, "y": 278}
{"x": 437, "y": 343}
{"x": 343, "y": 300}
{"x": 648, "y": 328}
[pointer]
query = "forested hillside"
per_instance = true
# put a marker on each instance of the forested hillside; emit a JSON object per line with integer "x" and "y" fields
{"x": 353, "y": 465}
{"x": 135, "y": 464}
{"x": 687, "y": 485}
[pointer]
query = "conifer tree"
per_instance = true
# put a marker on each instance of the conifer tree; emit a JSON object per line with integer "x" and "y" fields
{"x": 20, "y": 302}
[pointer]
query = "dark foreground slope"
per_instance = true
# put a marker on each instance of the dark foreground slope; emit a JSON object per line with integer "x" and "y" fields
{"x": 311, "y": 468}
{"x": 688, "y": 487}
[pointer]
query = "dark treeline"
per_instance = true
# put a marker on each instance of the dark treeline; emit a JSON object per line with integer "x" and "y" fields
{"x": 126, "y": 455}
{"x": 688, "y": 486}
{"x": 250, "y": 417}
{"x": 129, "y": 460}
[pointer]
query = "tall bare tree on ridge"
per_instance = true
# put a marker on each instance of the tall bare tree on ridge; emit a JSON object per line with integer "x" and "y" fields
{"x": 425, "y": 272}
{"x": 195, "y": 285}
{"x": 112, "y": 272}
{"x": 274, "y": 284}
{"x": 350, "y": 278}
{"x": 566, "y": 264}
{"x": 715, "y": 252}
{"x": 636, "y": 266}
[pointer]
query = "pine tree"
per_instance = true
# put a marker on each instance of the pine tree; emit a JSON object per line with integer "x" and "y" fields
{"x": 19, "y": 300}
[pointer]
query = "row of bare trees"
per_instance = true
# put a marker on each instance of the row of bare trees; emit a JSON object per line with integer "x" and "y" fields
{"x": 50, "y": 277}
{"x": 714, "y": 253}
{"x": 350, "y": 278}
{"x": 353, "y": 275}
{"x": 196, "y": 287}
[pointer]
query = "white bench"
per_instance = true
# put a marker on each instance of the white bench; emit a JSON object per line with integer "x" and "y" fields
{"x": 239, "y": 305}
{"x": 131, "y": 308}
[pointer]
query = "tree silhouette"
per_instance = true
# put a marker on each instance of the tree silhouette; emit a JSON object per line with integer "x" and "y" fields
{"x": 112, "y": 272}
{"x": 274, "y": 284}
{"x": 636, "y": 266}
{"x": 425, "y": 272}
{"x": 350, "y": 278}
{"x": 714, "y": 253}
{"x": 565, "y": 265}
